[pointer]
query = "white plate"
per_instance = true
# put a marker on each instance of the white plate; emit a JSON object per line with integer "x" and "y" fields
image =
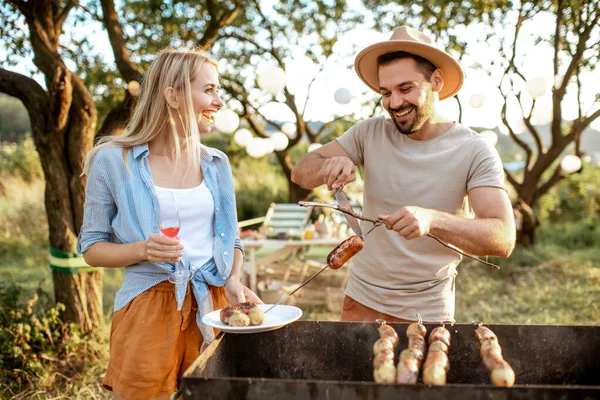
{"x": 274, "y": 319}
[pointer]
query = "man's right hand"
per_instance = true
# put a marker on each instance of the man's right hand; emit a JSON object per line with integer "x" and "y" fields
{"x": 337, "y": 172}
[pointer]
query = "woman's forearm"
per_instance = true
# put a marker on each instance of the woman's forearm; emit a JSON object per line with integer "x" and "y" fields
{"x": 113, "y": 255}
{"x": 238, "y": 261}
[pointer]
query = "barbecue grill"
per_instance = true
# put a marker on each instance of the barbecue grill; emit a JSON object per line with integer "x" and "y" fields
{"x": 333, "y": 360}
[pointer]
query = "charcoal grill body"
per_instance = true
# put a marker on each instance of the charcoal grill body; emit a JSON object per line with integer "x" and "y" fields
{"x": 333, "y": 360}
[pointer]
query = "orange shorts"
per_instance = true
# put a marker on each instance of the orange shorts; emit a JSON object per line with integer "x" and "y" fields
{"x": 353, "y": 311}
{"x": 152, "y": 344}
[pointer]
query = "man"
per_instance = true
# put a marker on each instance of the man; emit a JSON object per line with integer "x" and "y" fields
{"x": 424, "y": 175}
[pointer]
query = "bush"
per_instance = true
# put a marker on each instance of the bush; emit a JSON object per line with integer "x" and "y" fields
{"x": 32, "y": 335}
{"x": 576, "y": 198}
{"x": 20, "y": 160}
{"x": 570, "y": 235}
{"x": 37, "y": 347}
{"x": 257, "y": 185}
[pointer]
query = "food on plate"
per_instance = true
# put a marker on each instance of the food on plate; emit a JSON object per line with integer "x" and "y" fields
{"x": 384, "y": 370}
{"x": 251, "y": 311}
{"x": 239, "y": 319}
{"x": 501, "y": 373}
{"x": 344, "y": 251}
{"x": 437, "y": 364}
{"x": 412, "y": 357}
{"x": 257, "y": 316}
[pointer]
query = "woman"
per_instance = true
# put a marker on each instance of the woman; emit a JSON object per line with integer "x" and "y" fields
{"x": 157, "y": 331}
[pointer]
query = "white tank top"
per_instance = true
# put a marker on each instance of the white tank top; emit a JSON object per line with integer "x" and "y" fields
{"x": 196, "y": 212}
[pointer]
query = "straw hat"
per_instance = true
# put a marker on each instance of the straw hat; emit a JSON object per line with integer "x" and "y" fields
{"x": 412, "y": 41}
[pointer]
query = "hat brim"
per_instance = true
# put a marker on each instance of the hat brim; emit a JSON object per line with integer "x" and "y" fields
{"x": 366, "y": 65}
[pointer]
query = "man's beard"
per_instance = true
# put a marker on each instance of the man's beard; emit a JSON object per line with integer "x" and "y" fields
{"x": 422, "y": 115}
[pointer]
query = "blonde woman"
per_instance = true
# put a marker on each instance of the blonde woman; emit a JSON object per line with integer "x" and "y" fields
{"x": 156, "y": 331}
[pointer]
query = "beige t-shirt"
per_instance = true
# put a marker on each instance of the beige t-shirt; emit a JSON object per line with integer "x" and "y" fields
{"x": 403, "y": 277}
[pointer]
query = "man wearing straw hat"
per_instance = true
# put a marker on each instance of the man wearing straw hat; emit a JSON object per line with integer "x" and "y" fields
{"x": 424, "y": 174}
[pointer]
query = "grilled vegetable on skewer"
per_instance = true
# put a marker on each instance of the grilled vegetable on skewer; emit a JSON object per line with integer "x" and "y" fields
{"x": 384, "y": 369}
{"x": 501, "y": 373}
{"x": 437, "y": 364}
{"x": 412, "y": 357}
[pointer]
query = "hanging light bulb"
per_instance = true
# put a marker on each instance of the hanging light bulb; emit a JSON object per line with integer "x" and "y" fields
{"x": 342, "y": 96}
{"x": 267, "y": 145}
{"x": 280, "y": 140}
{"x": 570, "y": 163}
{"x": 242, "y": 137}
{"x": 536, "y": 87}
{"x": 272, "y": 80}
{"x": 226, "y": 120}
{"x": 289, "y": 129}
{"x": 541, "y": 115}
{"x": 477, "y": 100}
{"x": 254, "y": 148}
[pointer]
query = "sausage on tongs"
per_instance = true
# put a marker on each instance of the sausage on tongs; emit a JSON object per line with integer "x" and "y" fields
{"x": 384, "y": 370}
{"x": 344, "y": 251}
{"x": 437, "y": 364}
{"x": 411, "y": 358}
{"x": 501, "y": 373}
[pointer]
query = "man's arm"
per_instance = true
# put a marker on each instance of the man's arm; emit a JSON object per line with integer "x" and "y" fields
{"x": 491, "y": 233}
{"x": 329, "y": 165}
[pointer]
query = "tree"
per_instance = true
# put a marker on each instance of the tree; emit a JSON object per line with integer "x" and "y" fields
{"x": 64, "y": 115}
{"x": 576, "y": 49}
{"x": 273, "y": 39}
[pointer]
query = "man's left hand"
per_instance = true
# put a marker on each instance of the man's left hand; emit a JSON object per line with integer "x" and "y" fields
{"x": 410, "y": 222}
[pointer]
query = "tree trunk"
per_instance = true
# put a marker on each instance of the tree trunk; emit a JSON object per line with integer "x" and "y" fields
{"x": 526, "y": 222}
{"x": 116, "y": 120}
{"x": 297, "y": 193}
{"x": 63, "y": 125}
{"x": 82, "y": 296}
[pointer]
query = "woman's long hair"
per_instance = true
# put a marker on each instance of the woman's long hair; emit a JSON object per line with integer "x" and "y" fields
{"x": 153, "y": 116}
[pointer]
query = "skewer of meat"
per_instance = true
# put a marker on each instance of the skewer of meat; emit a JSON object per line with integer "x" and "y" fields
{"x": 501, "y": 373}
{"x": 411, "y": 358}
{"x": 437, "y": 363}
{"x": 384, "y": 370}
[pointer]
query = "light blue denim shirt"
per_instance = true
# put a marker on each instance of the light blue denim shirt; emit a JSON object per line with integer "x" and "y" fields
{"x": 120, "y": 207}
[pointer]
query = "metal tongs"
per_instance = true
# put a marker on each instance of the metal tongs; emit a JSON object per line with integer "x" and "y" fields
{"x": 377, "y": 222}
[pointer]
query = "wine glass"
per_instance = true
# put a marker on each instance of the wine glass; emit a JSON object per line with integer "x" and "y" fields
{"x": 169, "y": 224}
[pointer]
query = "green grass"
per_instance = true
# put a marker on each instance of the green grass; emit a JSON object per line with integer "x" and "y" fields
{"x": 562, "y": 289}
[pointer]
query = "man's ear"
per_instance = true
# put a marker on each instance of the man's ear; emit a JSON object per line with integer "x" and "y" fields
{"x": 171, "y": 97}
{"x": 437, "y": 80}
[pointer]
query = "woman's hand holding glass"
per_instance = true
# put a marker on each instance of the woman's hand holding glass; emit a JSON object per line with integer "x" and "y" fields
{"x": 161, "y": 248}
{"x": 169, "y": 224}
